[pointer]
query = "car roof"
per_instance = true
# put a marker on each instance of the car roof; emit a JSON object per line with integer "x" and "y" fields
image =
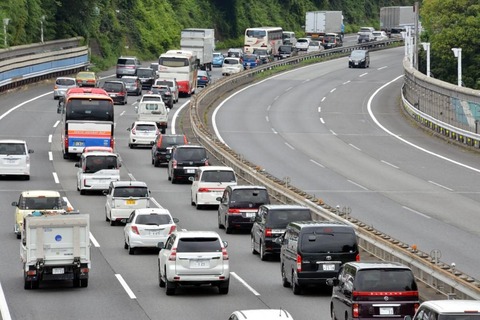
{"x": 129, "y": 77}
{"x": 261, "y": 314}
{"x": 215, "y": 168}
{"x": 125, "y": 183}
{"x": 12, "y": 141}
{"x": 285, "y": 207}
{"x": 247, "y": 187}
{"x": 153, "y": 123}
{"x": 378, "y": 265}
{"x": 454, "y": 306}
{"x": 152, "y": 210}
{"x": 196, "y": 234}
{"x": 40, "y": 193}
{"x": 99, "y": 153}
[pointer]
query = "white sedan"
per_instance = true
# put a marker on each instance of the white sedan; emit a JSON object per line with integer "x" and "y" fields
{"x": 146, "y": 227}
{"x": 231, "y": 65}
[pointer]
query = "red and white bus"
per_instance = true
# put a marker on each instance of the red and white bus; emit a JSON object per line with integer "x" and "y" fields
{"x": 180, "y": 65}
{"x": 87, "y": 120}
{"x": 269, "y": 38}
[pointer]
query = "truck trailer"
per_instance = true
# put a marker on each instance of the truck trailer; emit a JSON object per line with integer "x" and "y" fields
{"x": 55, "y": 246}
{"x": 318, "y": 23}
{"x": 396, "y": 18}
{"x": 201, "y": 42}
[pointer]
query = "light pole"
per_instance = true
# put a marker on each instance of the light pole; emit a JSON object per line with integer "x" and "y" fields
{"x": 42, "y": 19}
{"x": 426, "y": 47}
{"x": 5, "y": 24}
{"x": 458, "y": 54}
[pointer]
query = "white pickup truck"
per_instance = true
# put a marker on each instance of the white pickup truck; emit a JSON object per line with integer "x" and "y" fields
{"x": 55, "y": 246}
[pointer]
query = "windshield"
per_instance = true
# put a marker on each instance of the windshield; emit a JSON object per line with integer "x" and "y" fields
{"x": 357, "y": 54}
{"x": 37, "y": 203}
{"x": 96, "y": 163}
{"x": 89, "y": 109}
{"x": 385, "y": 280}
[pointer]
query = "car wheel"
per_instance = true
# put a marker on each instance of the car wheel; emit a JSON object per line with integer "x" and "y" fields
{"x": 263, "y": 256}
{"x": 332, "y": 313}
{"x": 228, "y": 230}
{"x": 220, "y": 225}
{"x": 285, "y": 282}
{"x": 252, "y": 245}
{"x": 83, "y": 283}
{"x": 82, "y": 192}
{"x": 223, "y": 288}
{"x": 161, "y": 283}
{"x": 125, "y": 101}
{"x": 112, "y": 222}
{"x": 27, "y": 177}
{"x": 170, "y": 287}
{"x": 191, "y": 201}
{"x": 173, "y": 178}
{"x": 106, "y": 216}
{"x": 131, "y": 250}
{"x": 295, "y": 286}
{"x": 125, "y": 245}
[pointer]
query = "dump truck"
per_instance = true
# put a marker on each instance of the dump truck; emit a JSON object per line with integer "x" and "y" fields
{"x": 318, "y": 23}
{"x": 201, "y": 42}
{"x": 55, "y": 246}
{"x": 393, "y": 19}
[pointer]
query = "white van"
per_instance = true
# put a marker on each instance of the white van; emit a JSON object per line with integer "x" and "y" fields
{"x": 15, "y": 158}
{"x": 96, "y": 169}
{"x": 153, "y": 111}
{"x": 289, "y": 38}
{"x": 209, "y": 183}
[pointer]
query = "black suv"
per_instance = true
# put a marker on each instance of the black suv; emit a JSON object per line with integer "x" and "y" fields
{"x": 147, "y": 77}
{"x": 314, "y": 251}
{"x": 163, "y": 145}
{"x": 287, "y": 51}
{"x": 239, "y": 205}
{"x": 184, "y": 160}
{"x": 270, "y": 223}
{"x": 165, "y": 92}
{"x": 116, "y": 90}
{"x": 373, "y": 290}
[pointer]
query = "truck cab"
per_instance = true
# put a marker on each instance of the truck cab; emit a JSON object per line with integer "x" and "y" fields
{"x": 96, "y": 169}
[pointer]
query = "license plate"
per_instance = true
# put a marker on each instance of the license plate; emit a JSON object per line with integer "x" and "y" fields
{"x": 78, "y": 143}
{"x": 112, "y": 95}
{"x": 10, "y": 161}
{"x": 356, "y": 63}
{"x": 199, "y": 264}
{"x": 190, "y": 170}
{"x": 154, "y": 233}
{"x": 328, "y": 267}
{"x": 131, "y": 201}
{"x": 385, "y": 311}
{"x": 249, "y": 214}
{"x": 58, "y": 271}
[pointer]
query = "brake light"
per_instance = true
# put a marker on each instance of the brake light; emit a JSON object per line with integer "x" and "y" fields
{"x": 172, "y": 229}
{"x": 112, "y": 143}
{"x": 299, "y": 263}
{"x": 31, "y": 272}
{"x": 416, "y": 305}
{"x": 357, "y": 258}
{"x": 203, "y": 190}
{"x": 204, "y": 78}
{"x": 224, "y": 254}
{"x": 234, "y": 211}
{"x": 55, "y": 87}
{"x": 134, "y": 131}
{"x": 268, "y": 232}
{"x": 84, "y": 270}
{"x": 66, "y": 142}
{"x": 173, "y": 255}
{"x": 174, "y": 163}
{"x": 355, "y": 310}
{"x": 135, "y": 230}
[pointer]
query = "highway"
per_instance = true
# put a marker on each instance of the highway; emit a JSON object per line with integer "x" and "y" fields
{"x": 319, "y": 113}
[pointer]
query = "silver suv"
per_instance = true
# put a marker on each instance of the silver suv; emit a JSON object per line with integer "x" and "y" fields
{"x": 127, "y": 66}
{"x": 193, "y": 258}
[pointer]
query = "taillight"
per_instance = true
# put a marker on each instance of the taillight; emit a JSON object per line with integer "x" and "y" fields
{"x": 135, "y": 230}
{"x": 268, "y": 232}
{"x": 234, "y": 211}
{"x": 55, "y": 87}
{"x": 134, "y": 131}
{"x": 173, "y": 255}
{"x": 66, "y": 142}
{"x": 172, "y": 229}
{"x": 206, "y": 163}
{"x": 224, "y": 254}
{"x": 112, "y": 143}
{"x": 174, "y": 163}
{"x": 357, "y": 258}
{"x": 415, "y": 306}
{"x": 203, "y": 190}
{"x": 355, "y": 310}
{"x": 299, "y": 263}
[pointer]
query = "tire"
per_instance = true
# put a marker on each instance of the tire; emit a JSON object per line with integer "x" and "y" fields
{"x": 170, "y": 287}
{"x": 223, "y": 288}
{"x": 285, "y": 282}
{"x": 220, "y": 225}
{"x": 82, "y": 192}
{"x": 131, "y": 146}
{"x": 228, "y": 230}
{"x": 332, "y": 313}
{"x": 155, "y": 163}
{"x": 27, "y": 285}
{"x": 161, "y": 283}
{"x": 83, "y": 283}
{"x": 262, "y": 253}
{"x": 173, "y": 179}
{"x": 112, "y": 222}
{"x": 76, "y": 283}
{"x": 252, "y": 245}
{"x": 26, "y": 177}
{"x": 131, "y": 251}
{"x": 297, "y": 290}
{"x": 125, "y": 245}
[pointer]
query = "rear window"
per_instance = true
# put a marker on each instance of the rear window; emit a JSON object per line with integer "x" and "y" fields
{"x": 248, "y": 197}
{"x": 231, "y": 61}
{"x": 125, "y": 61}
{"x": 218, "y": 176}
{"x": 191, "y": 154}
{"x": 65, "y": 82}
{"x": 12, "y": 149}
{"x": 169, "y": 141}
{"x": 111, "y": 86}
{"x": 329, "y": 242}
{"x": 203, "y": 244}
{"x": 153, "y": 219}
{"x": 34, "y": 203}
{"x": 145, "y": 72}
{"x": 152, "y": 98}
{"x": 281, "y": 218}
{"x": 146, "y": 127}
{"x": 285, "y": 49}
{"x": 97, "y": 163}
{"x": 385, "y": 280}
{"x": 129, "y": 80}
{"x": 131, "y": 191}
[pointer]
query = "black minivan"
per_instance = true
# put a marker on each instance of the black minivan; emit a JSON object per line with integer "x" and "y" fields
{"x": 314, "y": 251}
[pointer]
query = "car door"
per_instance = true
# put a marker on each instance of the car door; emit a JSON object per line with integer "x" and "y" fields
{"x": 258, "y": 228}
{"x": 223, "y": 206}
{"x": 165, "y": 253}
{"x": 108, "y": 202}
{"x": 195, "y": 184}
{"x": 290, "y": 249}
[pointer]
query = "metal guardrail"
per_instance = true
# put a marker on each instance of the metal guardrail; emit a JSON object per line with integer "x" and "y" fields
{"x": 440, "y": 276}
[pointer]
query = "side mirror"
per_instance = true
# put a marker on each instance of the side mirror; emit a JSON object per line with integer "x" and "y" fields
{"x": 105, "y": 192}
{"x": 225, "y": 244}
{"x": 219, "y": 199}
{"x": 191, "y": 179}
{"x": 30, "y": 151}
{"x": 14, "y": 204}
{"x": 124, "y": 221}
{"x": 278, "y": 240}
{"x": 175, "y": 220}
{"x": 77, "y": 165}
{"x": 128, "y": 129}
{"x": 332, "y": 282}
{"x": 160, "y": 245}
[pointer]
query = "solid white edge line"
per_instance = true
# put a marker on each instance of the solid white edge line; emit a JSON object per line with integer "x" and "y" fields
{"x": 417, "y": 212}
{"x": 131, "y": 176}
{"x": 55, "y": 177}
{"x": 94, "y": 241}
{"x": 175, "y": 116}
{"x": 4, "y": 306}
{"x": 358, "y": 185}
{"x": 24, "y": 103}
{"x": 125, "y": 286}
{"x": 236, "y": 276}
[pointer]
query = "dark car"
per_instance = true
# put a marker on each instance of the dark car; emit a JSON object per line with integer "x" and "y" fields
{"x": 203, "y": 78}
{"x": 165, "y": 92}
{"x": 163, "y": 145}
{"x": 133, "y": 84}
{"x": 184, "y": 160}
{"x": 287, "y": 51}
{"x": 127, "y": 66}
{"x": 314, "y": 251}
{"x": 374, "y": 290}
{"x": 359, "y": 59}
{"x": 264, "y": 55}
{"x": 116, "y": 90}
{"x": 147, "y": 77}
{"x": 251, "y": 60}
{"x": 239, "y": 205}
{"x": 270, "y": 223}
{"x": 332, "y": 40}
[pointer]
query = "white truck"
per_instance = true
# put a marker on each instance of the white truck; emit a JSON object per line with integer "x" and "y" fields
{"x": 55, "y": 246}
{"x": 200, "y": 41}
{"x": 318, "y": 23}
{"x": 396, "y": 17}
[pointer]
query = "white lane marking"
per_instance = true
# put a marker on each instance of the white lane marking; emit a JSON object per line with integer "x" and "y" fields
{"x": 388, "y": 163}
{"x": 55, "y": 177}
{"x": 322, "y": 121}
{"x": 5, "y": 313}
{"x": 94, "y": 241}
{"x": 123, "y": 112}
{"x": 355, "y": 147}
{"x": 155, "y": 202}
{"x": 440, "y": 185}
{"x": 417, "y": 212}
{"x": 369, "y": 108}
{"x": 333, "y": 90}
{"x": 333, "y": 132}
{"x": 131, "y": 176}
{"x": 363, "y": 74}
{"x": 319, "y": 109}
{"x": 358, "y": 185}
{"x": 288, "y": 89}
{"x": 276, "y": 98}
{"x": 317, "y": 163}
{"x": 323, "y": 99}
{"x": 244, "y": 283}
{"x": 290, "y": 146}
{"x": 266, "y": 118}
{"x": 125, "y": 286}
{"x": 56, "y": 123}
{"x": 268, "y": 108}
{"x": 24, "y": 103}
{"x": 381, "y": 68}
{"x": 273, "y": 130}
{"x": 49, "y": 138}
{"x": 50, "y": 156}
{"x": 175, "y": 116}
{"x": 346, "y": 82}
{"x": 304, "y": 81}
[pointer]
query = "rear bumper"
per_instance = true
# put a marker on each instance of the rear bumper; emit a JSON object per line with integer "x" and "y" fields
{"x": 239, "y": 222}
{"x": 208, "y": 198}
{"x": 143, "y": 242}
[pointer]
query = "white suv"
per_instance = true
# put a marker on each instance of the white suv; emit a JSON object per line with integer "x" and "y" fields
{"x": 209, "y": 183}
{"x": 447, "y": 309}
{"x": 193, "y": 258}
{"x": 15, "y": 158}
{"x": 123, "y": 197}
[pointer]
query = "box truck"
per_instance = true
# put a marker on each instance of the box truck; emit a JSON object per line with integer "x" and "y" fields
{"x": 318, "y": 23}
{"x": 396, "y": 18}
{"x": 201, "y": 42}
